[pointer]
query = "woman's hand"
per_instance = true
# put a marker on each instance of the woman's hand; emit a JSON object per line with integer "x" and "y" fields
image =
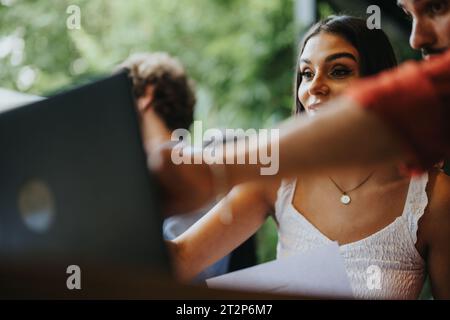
{"x": 179, "y": 265}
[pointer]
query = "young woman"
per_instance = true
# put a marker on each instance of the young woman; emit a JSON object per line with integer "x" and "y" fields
{"x": 378, "y": 217}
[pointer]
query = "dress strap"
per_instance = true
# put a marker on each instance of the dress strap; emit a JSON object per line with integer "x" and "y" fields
{"x": 284, "y": 197}
{"x": 416, "y": 202}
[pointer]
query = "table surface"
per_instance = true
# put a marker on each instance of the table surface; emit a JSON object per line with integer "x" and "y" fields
{"x": 25, "y": 281}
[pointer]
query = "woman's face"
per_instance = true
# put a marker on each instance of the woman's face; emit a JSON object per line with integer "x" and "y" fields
{"x": 328, "y": 64}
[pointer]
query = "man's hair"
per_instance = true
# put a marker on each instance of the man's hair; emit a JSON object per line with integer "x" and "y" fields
{"x": 173, "y": 92}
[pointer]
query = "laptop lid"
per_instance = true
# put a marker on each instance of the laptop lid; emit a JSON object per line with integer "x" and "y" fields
{"x": 74, "y": 183}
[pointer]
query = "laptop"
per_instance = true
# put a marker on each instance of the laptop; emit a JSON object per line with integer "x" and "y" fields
{"x": 74, "y": 184}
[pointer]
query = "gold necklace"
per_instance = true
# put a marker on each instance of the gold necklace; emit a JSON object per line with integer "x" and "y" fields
{"x": 345, "y": 198}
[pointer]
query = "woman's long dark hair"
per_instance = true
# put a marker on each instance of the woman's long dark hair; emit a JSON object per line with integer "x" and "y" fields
{"x": 374, "y": 48}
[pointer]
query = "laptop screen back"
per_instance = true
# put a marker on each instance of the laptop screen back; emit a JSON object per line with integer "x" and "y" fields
{"x": 74, "y": 184}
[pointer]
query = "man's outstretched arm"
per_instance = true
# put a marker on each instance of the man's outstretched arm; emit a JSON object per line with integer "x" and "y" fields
{"x": 400, "y": 115}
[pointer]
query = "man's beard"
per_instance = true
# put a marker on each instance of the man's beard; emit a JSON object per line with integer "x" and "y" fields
{"x": 427, "y": 52}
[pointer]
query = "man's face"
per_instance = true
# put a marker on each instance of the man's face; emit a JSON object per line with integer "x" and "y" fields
{"x": 430, "y": 25}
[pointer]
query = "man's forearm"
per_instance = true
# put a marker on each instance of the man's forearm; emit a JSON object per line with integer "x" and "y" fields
{"x": 342, "y": 137}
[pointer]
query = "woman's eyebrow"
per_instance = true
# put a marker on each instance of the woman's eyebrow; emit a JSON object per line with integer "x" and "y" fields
{"x": 334, "y": 57}
{"x": 340, "y": 55}
{"x": 306, "y": 61}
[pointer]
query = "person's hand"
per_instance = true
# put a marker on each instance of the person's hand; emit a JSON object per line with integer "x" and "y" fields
{"x": 186, "y": 187}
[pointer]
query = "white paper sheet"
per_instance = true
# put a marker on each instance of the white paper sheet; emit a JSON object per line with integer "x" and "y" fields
{"x": 319, "y": 272}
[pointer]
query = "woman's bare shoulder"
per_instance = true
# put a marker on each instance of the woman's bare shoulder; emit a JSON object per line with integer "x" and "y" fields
{"x": 259, "y": 190}
{"x": 267, "y": 190}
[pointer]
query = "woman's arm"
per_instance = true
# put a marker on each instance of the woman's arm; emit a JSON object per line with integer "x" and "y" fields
{"x": 213, "y": 237}
{"x": 437, "y": 233}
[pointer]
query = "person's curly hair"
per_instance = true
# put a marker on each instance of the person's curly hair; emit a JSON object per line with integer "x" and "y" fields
{"x": 173, "y": 92}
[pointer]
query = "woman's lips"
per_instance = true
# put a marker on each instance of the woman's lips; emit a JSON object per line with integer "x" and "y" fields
{"x": 315, "y": 106}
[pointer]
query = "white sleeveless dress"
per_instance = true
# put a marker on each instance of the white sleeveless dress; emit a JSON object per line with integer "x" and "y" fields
{"x": 391, "y": 250}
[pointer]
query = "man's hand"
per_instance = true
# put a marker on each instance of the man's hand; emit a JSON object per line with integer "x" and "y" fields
{"x": 186, "y": 187}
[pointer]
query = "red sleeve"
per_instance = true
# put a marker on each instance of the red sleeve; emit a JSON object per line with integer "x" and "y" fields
{"x": 414, "y": 101}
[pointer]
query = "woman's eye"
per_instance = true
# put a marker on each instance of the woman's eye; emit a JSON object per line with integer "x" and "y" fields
{"x": 307, "y": 75}
{"x": 340, "y": 72}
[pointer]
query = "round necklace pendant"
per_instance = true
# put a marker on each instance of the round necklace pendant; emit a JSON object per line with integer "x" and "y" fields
{"x": 345, "y": 199}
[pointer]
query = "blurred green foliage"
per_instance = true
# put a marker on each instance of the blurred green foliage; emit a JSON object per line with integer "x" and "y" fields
{"x": 267, "y": 238}
{"x": 240, "y": 54}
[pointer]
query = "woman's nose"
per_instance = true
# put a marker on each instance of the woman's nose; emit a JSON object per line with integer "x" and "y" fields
{"x": 319, "y": 87}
